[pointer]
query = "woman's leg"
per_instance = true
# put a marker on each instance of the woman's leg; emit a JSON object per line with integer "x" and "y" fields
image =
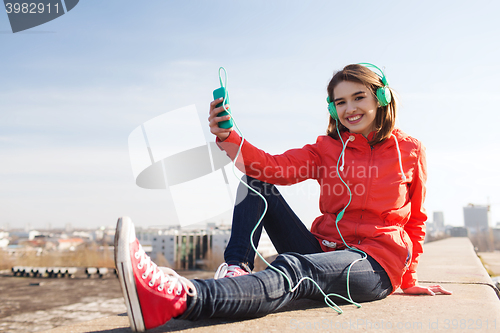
{"x": 154, "y": 296}
{"x": 285, "y": 229}
{"x": 267, "y": 291}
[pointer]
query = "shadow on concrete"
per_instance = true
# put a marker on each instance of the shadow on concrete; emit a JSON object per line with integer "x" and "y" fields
{"x": 182, "y": 325}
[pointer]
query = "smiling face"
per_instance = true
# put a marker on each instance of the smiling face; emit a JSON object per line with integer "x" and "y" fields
{"x": 356, "y": 107}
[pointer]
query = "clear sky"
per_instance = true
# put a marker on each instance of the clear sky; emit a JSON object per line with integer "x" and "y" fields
{"x": 73, "y": 89}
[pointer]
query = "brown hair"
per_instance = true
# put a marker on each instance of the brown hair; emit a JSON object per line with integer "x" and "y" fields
{"x": 386, "y": 115}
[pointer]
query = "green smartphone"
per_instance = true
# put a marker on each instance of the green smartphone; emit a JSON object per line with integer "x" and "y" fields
{"x": 218, "y": 93}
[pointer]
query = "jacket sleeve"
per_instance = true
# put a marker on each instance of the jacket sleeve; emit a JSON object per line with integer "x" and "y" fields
{"x": 291, "y": 167}
{"x": 415, "y": 228}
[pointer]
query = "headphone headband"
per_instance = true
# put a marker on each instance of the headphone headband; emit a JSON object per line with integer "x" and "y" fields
{"x": 381, "y": 75}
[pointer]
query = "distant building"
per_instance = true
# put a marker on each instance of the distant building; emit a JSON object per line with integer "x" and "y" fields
{"x": 4, "y": 239}
{"x": 86, "y": 235}
{"x": 496, "y": 234}
{"x": 98, "y": 234}
{"x": 164, "y": 244}
{"x": 196, "y": 248}
{"x": 220, "y": 239}
{"x": 435, "y": 229}
{"x": 146, "y": 236}
{"x": 190, "y": 249}
{"x": 458, "y": 232}
{"x": 438, "y": 219}
{"x": 33, "y": 233}
{"x": 4, "y": 243}
{"x": 69, "y": 244}
{"x": 476, "y": 218}
{"x": 22, "y": 234}
{"x": 104, "y": 235}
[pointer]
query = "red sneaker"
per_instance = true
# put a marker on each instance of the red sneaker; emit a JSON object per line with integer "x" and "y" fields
{"x": 152, "y": 295}
{"x": 226, "y": 270}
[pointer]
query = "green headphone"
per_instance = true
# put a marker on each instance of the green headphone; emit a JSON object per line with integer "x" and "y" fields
{"x": 383, "y": 93}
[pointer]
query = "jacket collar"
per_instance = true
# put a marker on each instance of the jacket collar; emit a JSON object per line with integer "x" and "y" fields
{"x": 360, "y": 140}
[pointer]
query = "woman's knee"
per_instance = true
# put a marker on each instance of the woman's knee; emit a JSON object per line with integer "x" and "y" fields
{"x": 243, "y": 191}
{"x": 293, "y": 264}
{"x": 375, "y": 287}
{"x": 265, "y": 189}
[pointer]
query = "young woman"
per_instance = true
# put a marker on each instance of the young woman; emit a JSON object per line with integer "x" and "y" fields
{"x": 372, "y": 178}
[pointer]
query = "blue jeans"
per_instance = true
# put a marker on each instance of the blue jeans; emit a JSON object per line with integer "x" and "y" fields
{"x": 300, "y": 255}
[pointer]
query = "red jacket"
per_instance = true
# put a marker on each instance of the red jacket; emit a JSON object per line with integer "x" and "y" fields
{"x": 386, "y": 216}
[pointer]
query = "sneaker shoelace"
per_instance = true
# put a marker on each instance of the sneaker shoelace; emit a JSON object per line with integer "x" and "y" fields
{"x": 233, "y": 270}
{"x": 226, "y": 270}
{"x": 166, "y": 275}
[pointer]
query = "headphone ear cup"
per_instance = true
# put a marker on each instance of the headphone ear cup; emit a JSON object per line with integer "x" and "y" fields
{"x": 384, "y": 96}
{"x": 332, "y": 109}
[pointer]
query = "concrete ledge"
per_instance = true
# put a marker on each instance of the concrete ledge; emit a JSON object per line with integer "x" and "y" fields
{"x": 452, "y": 262}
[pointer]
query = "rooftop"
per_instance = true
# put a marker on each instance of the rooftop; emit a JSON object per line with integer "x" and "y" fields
{"x": 451, "y": 262}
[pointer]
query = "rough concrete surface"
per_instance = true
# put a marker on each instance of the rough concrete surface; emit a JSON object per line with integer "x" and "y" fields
{"x": 398, "y": 313}
{"x": 29, "y": 304}
{"x": 474, "y": 305}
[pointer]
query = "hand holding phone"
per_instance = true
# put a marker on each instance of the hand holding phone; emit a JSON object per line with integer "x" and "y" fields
{"x": 218, "y": 93}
